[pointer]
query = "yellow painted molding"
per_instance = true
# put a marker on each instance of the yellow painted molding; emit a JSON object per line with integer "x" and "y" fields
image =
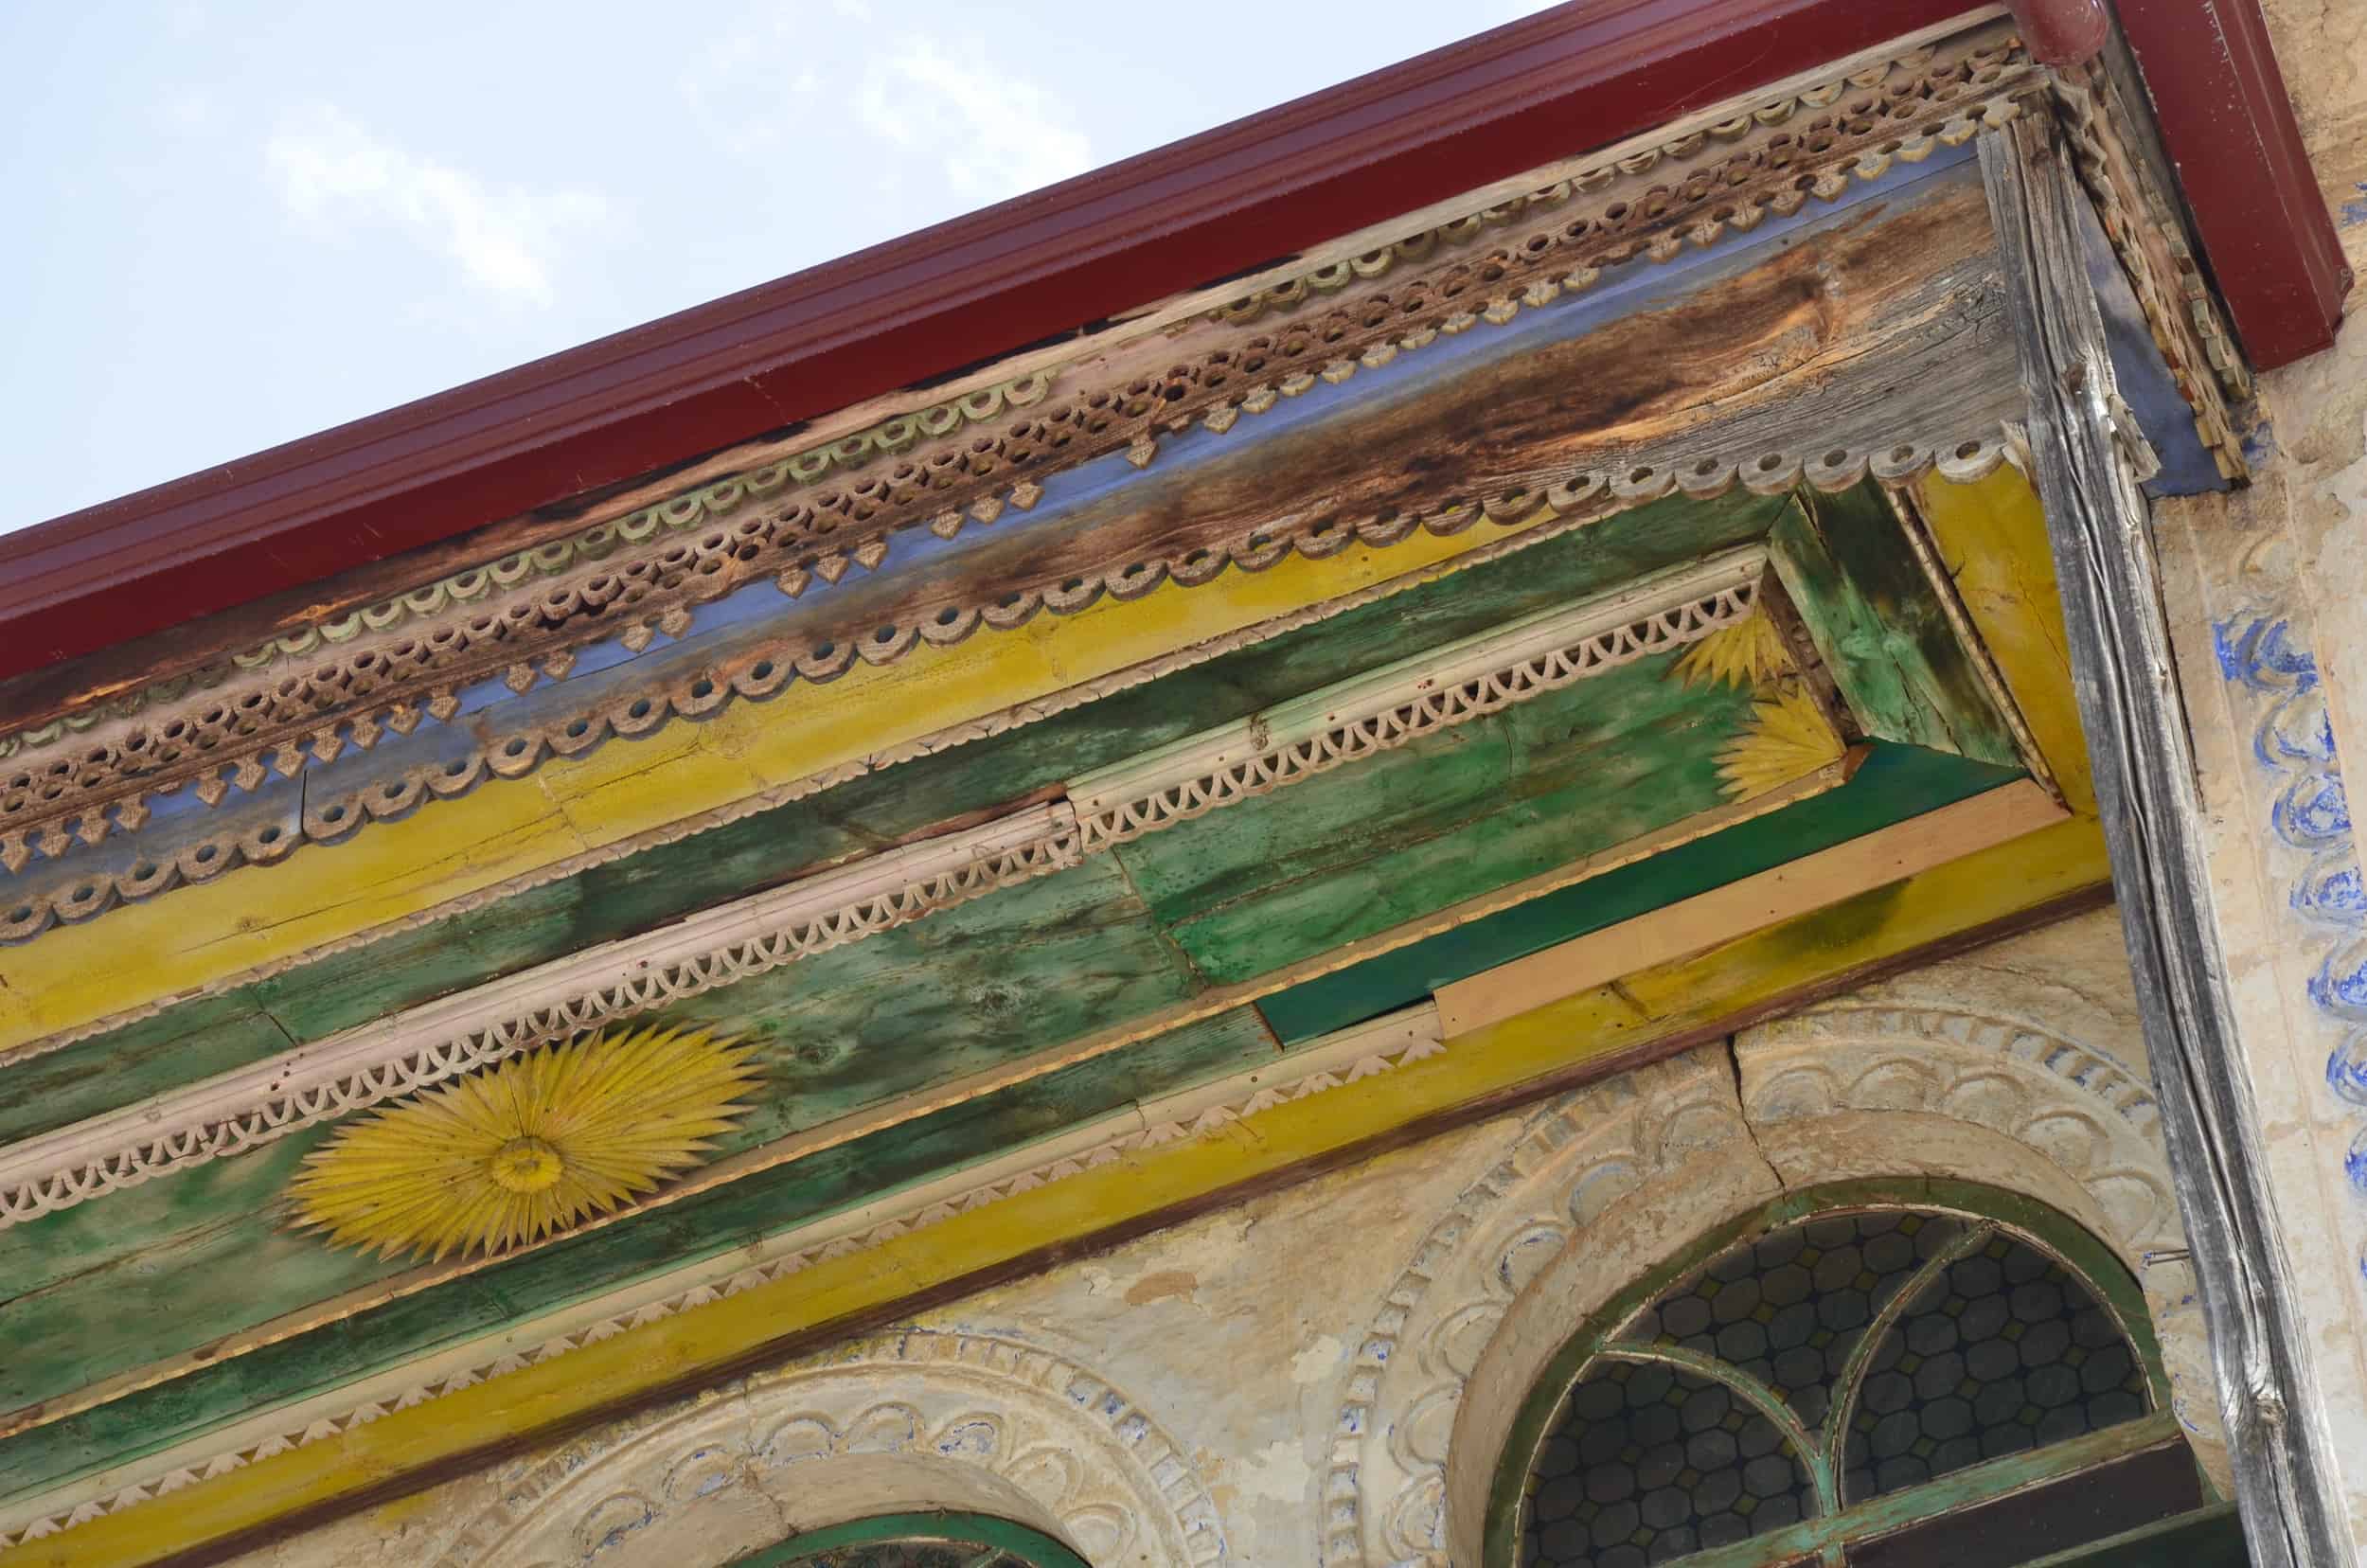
{"x": 1872, "y": 927}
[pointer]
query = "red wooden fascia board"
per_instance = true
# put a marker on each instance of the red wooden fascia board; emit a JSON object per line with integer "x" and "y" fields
{"x": 2229, "y": 130}
{"x": 1581, "y": 75}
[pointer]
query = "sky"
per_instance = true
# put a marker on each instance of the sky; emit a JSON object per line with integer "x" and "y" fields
{"x": 231, "y": 224}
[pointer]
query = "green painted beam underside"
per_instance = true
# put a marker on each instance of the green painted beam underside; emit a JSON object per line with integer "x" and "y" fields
{"x": 1879, "y": 627}
{"x": 84, "y": 1292}
{"x": 1455, "y": 814}
{"x": 1894, "y": 783}
{"x": 199, "y": 1039}
{"x": 702, "y": 1226}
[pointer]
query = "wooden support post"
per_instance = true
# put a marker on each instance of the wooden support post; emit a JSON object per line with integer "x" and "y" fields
{"x": 2087, "y": 453}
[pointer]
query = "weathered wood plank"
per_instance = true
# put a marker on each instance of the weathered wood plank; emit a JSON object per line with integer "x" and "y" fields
{"x": 1878, "y": 625}
{"x": 1748, "y": 904}
{"x": 1895, "y": 784}
{"x": 1458, "y": 813}
{"x": 2288, "y": 1483}
{"x": 1990, "y": 538}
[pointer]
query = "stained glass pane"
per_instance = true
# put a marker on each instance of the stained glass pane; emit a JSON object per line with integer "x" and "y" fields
{"x": 1647, "y": 1464}
{"x": 2005, "y": 1352}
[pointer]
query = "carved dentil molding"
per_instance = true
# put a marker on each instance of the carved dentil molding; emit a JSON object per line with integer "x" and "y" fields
{"x": 663, "y": 1492}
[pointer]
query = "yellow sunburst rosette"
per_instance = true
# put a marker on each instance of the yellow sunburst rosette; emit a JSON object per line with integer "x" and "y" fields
{"x": 1749, "y": 652}
{"x": 528, "y": 1149}
{"x": 1787, "y": 737}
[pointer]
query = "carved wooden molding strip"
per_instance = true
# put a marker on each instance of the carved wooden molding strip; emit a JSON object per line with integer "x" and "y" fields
{"x": 38, "y": 901}
{"x": 242, "y": 1109}
{"x": 1653, "y": 196}
{"x": 1374, "y": 712}
{"x": 232, "y": 742}
{"x": 1351, "y": 1055}
{"x": 2149, "y": 240}
{"x": 695, "y": 547}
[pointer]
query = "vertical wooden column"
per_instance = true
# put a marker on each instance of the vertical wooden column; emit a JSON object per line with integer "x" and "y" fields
{"x": 2088, "y": 454}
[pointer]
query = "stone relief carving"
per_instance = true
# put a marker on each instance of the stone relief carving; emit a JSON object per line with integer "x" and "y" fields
{"x": 911, "y": 1415}
{"x": 2312, "y": 852}
{"x": 1927, "y": 1056}
{"x": 1385, "y": 1495}
{"x": 2090, "y": 1114}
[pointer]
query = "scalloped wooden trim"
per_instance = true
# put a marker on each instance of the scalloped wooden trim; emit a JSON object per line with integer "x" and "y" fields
{"x": 1537, "y": 261}
{"x": 764, "y": 673}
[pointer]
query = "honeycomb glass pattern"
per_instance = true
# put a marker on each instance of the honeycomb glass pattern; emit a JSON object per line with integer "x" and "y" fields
{"x": 1789, "y": 1307}
{"x": 1984, "y": 1346}
{"x": 1647, "y": 1464}
{"x": 2005, "y": 1351}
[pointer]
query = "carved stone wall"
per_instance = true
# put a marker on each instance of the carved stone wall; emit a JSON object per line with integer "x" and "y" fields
{"x": 1320, "y": 1376}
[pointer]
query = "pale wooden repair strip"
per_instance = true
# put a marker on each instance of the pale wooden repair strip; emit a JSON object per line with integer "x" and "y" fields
{"x": 1707, "y": 920}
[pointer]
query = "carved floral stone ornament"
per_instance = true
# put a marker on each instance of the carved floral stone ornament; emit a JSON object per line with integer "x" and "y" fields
{"x": 528, "y": 1149}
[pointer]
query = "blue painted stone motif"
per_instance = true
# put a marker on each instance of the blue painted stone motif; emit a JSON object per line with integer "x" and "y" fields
{"x": 2310, "y": 813}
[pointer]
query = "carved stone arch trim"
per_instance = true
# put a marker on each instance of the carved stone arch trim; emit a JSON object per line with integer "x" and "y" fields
{"x": 1568, "y": 1165}
{"x": 1604, "y": 1183}
{"x": 1533, "y": 1370}
{"x": 897, "y": 1423}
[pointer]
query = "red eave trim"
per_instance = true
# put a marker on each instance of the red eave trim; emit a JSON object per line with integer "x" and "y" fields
{"x": 1574, "y": 78}
{"x": 2228, "y": 128}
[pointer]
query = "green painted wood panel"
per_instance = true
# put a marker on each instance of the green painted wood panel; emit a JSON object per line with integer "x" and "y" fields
{"x": 664, "y": 884}
{"x": 1894, "y": 783}
{"x": 1453, "y": 815}
{"x": 167, "y": 1266}
{"x": 582, "y": 1266}
{"x": 1879, "y": 627}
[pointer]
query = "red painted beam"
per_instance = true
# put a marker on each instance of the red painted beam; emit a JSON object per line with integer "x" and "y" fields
{"x": 1574, "y": 78}
{"x": 2228, "y": 129}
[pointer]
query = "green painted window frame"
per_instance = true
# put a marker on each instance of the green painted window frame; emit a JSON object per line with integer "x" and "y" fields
{"x": 1990, "y": 1211}
{"x": 999, "y": 1536}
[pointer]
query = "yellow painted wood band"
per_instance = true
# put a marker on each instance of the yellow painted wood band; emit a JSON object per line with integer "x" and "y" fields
{"x": 1992, "y": 542}
{"x": 1653, "y": 1002}
{"x": 507, "y": 829}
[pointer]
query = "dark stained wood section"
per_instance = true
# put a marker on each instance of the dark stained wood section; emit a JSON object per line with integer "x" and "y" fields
{"x": 920, "y": 308}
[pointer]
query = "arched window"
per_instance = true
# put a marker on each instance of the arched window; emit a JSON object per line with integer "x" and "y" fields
{"x": 1965, "y": 1378}
{"x": 919, "y": 1540}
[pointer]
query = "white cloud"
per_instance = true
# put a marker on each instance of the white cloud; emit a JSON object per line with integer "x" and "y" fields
{"x": 330, "y": 170}
{"x": 994, "y": 135}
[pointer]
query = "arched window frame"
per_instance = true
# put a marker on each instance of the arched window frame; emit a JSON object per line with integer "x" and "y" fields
{"x": 998, "y": 1537}
{"x": 1989, "y": 1211}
